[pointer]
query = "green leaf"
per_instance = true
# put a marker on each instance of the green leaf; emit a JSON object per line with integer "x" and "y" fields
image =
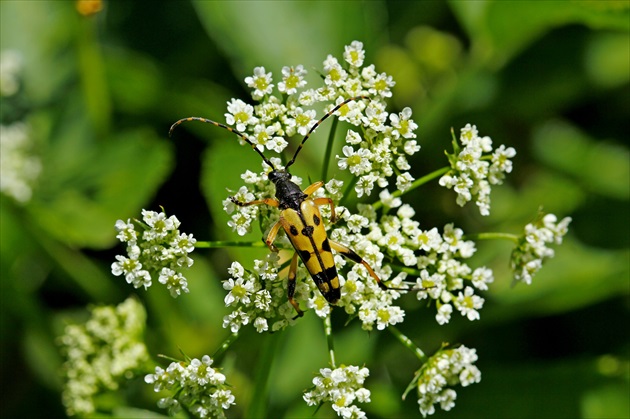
{"x": 123, "y": 412}
{"x": 603, "y": 167}
{"x": 578, "y": 276}
{"x": 86, "y": 189}
{"x": 306, "y": 33}
{"x": 503, "y": 28}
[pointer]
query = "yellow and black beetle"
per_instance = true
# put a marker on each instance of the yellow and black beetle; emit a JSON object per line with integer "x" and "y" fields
{"x": 301, "y": 220}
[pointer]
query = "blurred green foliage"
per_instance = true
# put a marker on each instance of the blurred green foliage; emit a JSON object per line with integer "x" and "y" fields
{"x": 99, "y": 92}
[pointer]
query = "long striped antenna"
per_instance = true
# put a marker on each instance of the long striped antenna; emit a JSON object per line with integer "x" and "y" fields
{"x": 232, "y": 130}
{"x": 318, "y": 123}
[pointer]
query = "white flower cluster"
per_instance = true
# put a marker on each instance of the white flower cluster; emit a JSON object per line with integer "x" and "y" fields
{"x": 160, "y": 250}
{"x": 437, "y": 259}
{"x": 195, "y": 385}
{"x": 382, "y": 151}
{"x": 259, "y": 298}
{"x": 342, "y": 387}
{"x": 473, "y": 169}
{"x": 19, "y": 167}
{"x": 101, "y": 353}
{"x": 529, "y": 255}
{"x": 445, "y": 369}
{"x": 388, "y": 138}
{"x": 360, "y": 293}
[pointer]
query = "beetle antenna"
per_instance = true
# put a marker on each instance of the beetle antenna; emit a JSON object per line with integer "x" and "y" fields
{"x": 318, "y": 123}
{"x": 232, "y": 130}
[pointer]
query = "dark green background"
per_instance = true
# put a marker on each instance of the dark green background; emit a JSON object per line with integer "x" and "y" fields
{"x": 548, "y": 78}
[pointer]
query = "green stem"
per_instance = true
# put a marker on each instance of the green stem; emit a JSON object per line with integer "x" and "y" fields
{"x": 349, "y": 188}
{"x": 417, "y": 183}
{"x": 329, "y": 340}
{"x": 406, "y": 269}
{"x": 408, "y": 343}
{"x": 226, "y": 344}
{"x": 492, "y": 236}
{"x": 329, "y": 147}
{"x": 267, "y": 352}
{"x": 227, "y": 243}
{"x": 186, "y": 409}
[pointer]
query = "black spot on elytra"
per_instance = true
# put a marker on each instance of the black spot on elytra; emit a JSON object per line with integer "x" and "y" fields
{"x": 326, "y": 246}
{"x": 293, "y": 230}
{"x": 323, "y": 280}
{"x": 331, "y": 273}
{"x": 316, "y": 220}
{"x": 305, "y": 255}
{"x": 308, "y": 231}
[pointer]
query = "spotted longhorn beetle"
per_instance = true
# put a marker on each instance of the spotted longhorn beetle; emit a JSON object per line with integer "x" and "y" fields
{"x": 301, "y": 220}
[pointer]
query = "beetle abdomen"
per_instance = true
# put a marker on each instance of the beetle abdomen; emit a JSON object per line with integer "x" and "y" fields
{"x": 308, "y": 236}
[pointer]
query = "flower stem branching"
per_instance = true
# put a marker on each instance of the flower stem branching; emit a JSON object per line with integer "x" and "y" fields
{"x": 415, "y": 184}
{"x": 492, "y": 236}
{"x": 329, "y": 148}
{"x": 407, "y": 343}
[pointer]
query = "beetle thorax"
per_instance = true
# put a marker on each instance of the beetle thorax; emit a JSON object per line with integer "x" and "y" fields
{"x": 288, "y": 193}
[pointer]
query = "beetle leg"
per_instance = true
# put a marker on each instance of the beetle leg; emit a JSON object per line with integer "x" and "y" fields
{"x": 291, "y": 285}
{"x": 351, "y": 254}
{"x": 271, "y": 237}
{"x": 315, "y": 186}
{"x": 327, "y": 201}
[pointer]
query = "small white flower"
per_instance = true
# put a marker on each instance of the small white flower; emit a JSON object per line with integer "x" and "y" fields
{"x": 354, "y": 54}
{"x": 260, "y": 82}
{"x": 389, "y": 316}
{"x": 443, "y": 315}
{"x": 468, "y": 303}
{"x": 236, "y": 270}
{"x": 403, "y": 181}
{"x": 261, "y": 324}
{"x": 481, "y": 277}
{"x": 239, "y": 291}
{"x": 174, "y": 281}
{"x": 235, "y": 320}
{"x": 292, "y": 79}
{"x": 357, "y": 162}
{"x": 375, "y": 116}
{"x": 353, "y": 137}
{"x": 240, "y": 114}
{"x": 304, "y": 120}
{"x": 335, "y": 75}
{"x": 405, "y": 127}
{"x": 381, "y": 85}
